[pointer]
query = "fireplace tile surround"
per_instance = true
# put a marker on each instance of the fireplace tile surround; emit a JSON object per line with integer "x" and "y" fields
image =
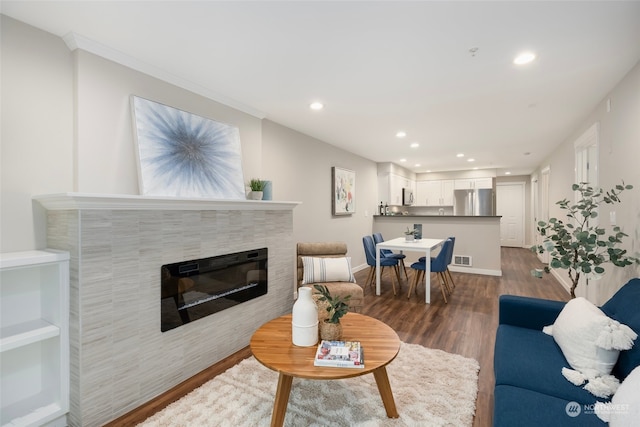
{"x": 119, "y": 357}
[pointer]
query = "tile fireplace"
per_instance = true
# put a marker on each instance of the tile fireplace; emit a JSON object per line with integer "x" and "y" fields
{"x": 120, "y": 358}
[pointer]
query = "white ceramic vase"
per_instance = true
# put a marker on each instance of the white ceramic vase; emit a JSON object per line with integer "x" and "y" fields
{"x": 304, "y": 319}
{"x": 255, "y": 195}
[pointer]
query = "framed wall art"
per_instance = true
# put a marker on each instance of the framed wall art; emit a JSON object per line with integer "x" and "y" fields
{"x": 185, "y": 155}
{"x": 343, "y": 185}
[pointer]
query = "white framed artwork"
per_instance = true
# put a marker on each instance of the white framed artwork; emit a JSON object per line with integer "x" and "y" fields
{"x": 182, "y": 154}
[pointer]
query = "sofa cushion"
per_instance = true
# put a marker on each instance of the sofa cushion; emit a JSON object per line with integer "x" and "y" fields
{"x": 530, "y": 359}
{"x": 514, "y": 406}
{"x": 321, "y": 270}
{"x": 624, "y": 408}
{"x": 590, "y": 341}
{"x": 623, "y": 307}
{"x": 527, "y": 312}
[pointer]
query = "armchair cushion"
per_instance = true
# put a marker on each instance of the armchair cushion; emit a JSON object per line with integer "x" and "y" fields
{"x": 330, "y": 250}
{"x": 321, "y": 270}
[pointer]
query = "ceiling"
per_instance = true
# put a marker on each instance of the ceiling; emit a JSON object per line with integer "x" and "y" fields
{"x": 382, "y": 66}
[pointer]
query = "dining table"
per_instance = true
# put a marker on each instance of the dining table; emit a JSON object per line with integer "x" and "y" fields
{"x": 416, "y": 245}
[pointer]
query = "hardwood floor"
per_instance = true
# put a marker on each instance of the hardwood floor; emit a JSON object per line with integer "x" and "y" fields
{"x": 465, "y": 326}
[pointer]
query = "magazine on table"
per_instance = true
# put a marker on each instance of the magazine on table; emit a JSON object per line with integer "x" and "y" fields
{"x": 339, "y": 354}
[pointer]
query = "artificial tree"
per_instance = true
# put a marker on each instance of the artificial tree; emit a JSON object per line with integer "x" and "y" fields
{"x": 578, "y": 244}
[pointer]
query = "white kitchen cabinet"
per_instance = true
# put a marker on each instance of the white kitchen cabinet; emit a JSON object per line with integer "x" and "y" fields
{"x": 473, "y": 183}
{"x": 34, "y": 338}
{"x": 435, "y": 193}
{"x": 390, "y": 188}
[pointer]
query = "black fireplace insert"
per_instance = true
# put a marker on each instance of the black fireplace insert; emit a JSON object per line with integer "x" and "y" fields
{"x": 197, "y": 288}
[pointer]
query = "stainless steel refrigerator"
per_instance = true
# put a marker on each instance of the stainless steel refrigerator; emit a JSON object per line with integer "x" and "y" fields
{"x": 479, "y": 202}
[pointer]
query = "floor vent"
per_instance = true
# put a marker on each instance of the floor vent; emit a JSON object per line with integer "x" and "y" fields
{"x": 464, "y": 260}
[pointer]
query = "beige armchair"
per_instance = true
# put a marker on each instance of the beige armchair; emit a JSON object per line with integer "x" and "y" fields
{"x": 330, "y": 250}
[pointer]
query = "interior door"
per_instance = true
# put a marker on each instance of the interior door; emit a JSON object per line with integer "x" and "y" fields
{"x": 510, "y": 205}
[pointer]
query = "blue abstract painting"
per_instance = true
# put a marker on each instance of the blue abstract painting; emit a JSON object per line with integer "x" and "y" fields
{"x": 185, "y": 155}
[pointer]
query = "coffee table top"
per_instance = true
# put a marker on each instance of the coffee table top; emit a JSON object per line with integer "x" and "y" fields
{"x": 272, "y": 346}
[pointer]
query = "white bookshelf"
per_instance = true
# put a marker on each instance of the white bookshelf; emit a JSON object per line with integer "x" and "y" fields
{"x": 34, "y": 338}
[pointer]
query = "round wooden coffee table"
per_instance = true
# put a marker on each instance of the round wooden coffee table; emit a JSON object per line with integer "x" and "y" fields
{"x": 271, "y": 345}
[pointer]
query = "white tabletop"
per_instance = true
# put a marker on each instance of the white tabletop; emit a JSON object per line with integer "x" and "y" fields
{"x": 416, "y": 245}
{"x": 400, "y": 243}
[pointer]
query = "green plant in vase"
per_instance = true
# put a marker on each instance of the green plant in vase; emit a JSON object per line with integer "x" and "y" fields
{"x": 579, "y": 245}
{"x": 257, "y": 187}
{"x": 410, "y": 234}
{"x": 336, "y": 307}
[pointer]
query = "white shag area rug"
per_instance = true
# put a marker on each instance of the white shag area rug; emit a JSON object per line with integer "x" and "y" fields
{"x": 430, "y": 387}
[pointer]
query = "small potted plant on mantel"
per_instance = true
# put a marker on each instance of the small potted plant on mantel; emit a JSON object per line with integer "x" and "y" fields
{"x": 330, "y": 310}
{"x": 257, "y": 187}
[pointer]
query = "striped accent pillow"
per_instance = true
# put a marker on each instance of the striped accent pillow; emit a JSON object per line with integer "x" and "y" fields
{"x": 319, "y": 270}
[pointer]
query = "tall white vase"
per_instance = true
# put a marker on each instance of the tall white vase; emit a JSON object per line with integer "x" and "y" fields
{"x": 304, "y": 319}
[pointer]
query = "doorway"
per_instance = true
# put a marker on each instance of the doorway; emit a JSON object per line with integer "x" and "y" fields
{"x": 510, "y": 206}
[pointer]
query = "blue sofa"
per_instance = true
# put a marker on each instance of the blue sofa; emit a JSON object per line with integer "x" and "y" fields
{"x": 530, "y": 389}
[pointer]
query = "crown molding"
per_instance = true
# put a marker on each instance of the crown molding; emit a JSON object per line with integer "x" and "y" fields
{"x": 75, "y": 41}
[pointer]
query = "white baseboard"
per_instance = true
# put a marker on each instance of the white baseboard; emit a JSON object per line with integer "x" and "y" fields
{"x": 483, "y": 271}
{"x": 359, "y": 268}
{"x": 561, "y": 278}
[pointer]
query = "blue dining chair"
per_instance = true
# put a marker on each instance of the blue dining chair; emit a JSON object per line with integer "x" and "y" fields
{"x": 449, "y": 260}
{"x": 438, "y": 266}
{"x": 388, "y": 253}
{"x": 370, "y": 254}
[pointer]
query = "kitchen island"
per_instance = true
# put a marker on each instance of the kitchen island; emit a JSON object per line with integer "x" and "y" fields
{"x": 477, "y": 246}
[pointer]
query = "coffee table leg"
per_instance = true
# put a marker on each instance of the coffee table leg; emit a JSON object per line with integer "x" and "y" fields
{"x": 384, "y": 388}
{"x": 282, "y": 398}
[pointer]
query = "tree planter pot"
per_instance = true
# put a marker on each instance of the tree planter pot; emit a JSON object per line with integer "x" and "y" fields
{"x": 410, "y": 237}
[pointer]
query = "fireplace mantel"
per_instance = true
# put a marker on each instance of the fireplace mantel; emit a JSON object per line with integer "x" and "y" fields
{"x": 81, "y": 201}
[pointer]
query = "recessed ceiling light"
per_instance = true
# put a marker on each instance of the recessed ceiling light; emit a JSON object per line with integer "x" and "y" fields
{"x": 428, "y": 170}
{"x": 524, "y": 58}
{"x": 476, "y": 168}
{"x": 417, "y": 165}
{"x": 316, "y": 106}
{"x": 507, "y": 173}
{"x": 460, "y": 155}
{"x": 403, "y": 160}
{"x": 414, "y": 145}
{"x": 471, "y": 160}
{"x": 401, "y": 134}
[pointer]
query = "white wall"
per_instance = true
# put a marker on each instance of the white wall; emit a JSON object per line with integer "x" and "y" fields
{"x": 94, "y": 151}
{"x": 300, "y": 168}
{"x": 37, "y": 130}
{"x": 106, "y": 161}
{"x": 619, "y": 154}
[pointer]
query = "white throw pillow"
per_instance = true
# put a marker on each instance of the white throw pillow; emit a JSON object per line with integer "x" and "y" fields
{"x": 624, "y": 408}
{"x": 591, "y": 343}
{"x": 320, "y": 270}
